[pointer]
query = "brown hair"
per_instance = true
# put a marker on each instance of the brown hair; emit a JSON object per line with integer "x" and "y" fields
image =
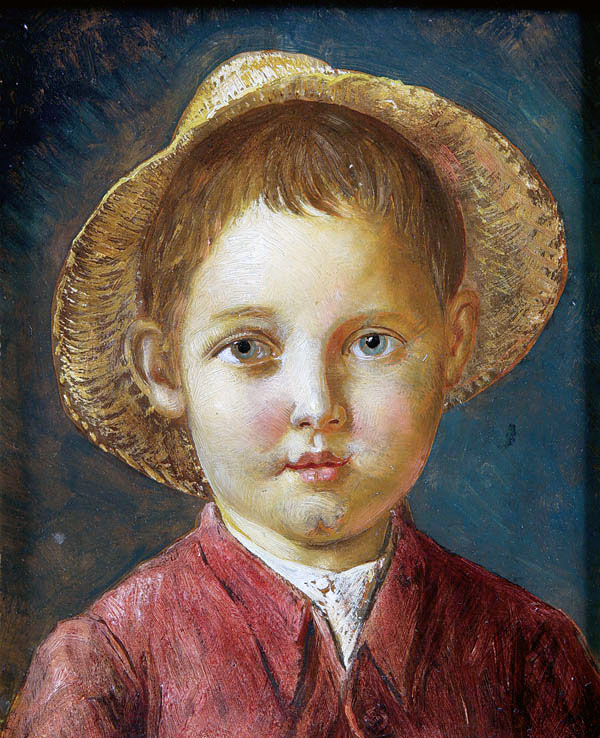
{"x": 292, "y": 156}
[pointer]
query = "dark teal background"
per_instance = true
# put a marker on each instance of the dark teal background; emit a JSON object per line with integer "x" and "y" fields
{"x": 87, "y": 95}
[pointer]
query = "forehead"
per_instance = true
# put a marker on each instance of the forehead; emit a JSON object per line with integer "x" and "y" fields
{"x": 299, "y": 264}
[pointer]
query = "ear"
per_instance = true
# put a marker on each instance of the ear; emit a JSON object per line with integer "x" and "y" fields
{"x": 461, "y": 324}
{"x": 144, "y": 351}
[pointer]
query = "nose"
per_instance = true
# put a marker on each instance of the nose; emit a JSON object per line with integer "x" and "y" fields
{"x": 313, "y": 404}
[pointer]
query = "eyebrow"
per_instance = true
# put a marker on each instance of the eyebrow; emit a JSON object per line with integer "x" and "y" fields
{"x": 415, "y": 324}
{"x": 368, "y": 316}
{"x": 243, "y": 311}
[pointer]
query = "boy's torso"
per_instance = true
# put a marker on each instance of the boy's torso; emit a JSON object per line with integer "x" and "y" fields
{"x": 206, "y": 641}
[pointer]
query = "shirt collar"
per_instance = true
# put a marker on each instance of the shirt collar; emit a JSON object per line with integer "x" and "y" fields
{"x": 343, "y": 597}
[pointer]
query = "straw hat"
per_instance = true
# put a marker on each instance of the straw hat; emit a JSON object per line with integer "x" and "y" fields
{"x": 516, "y": 250}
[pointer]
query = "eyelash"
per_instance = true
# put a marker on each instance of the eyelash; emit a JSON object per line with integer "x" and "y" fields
{"x": 246, "y": 336}
{"x": 386, "y": 334}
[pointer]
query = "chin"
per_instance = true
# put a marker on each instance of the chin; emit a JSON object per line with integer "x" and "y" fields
{"x": 314, "y": 518}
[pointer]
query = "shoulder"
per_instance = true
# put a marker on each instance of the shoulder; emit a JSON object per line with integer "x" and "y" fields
{"x": 473, "y": 627}
{"x": 156, "y": 588}
{"x": 494, "y": 611}
{"x": 473, "y": 587}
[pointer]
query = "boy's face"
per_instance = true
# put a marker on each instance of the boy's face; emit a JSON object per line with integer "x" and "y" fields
{"x": 313, "y": 364}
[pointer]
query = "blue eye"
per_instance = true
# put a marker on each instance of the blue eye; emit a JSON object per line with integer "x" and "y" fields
{"x": 245, "y": 351}
{"x": 374, "y": 346}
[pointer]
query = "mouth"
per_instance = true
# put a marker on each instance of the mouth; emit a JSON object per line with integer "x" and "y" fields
{"x": 317, "y": 467}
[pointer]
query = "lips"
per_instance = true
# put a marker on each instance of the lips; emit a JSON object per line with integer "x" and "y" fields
{"x": 317, "y": 467}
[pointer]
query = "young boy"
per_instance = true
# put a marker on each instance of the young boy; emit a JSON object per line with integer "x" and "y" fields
{"x": 280, "y": 305}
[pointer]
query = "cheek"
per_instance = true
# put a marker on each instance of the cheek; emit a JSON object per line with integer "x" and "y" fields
{"x": 268, "y": 420}
{"x": 393, "y": 440}
{"x": 398, "y": 410}
{"x": 390, "y": 415}
{"x": 236, "y": 413}
{"x": 398, "y": 414}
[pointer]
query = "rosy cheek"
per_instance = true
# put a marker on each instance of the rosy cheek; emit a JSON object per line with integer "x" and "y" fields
{"x": 394, "y": 416}
{"x": 268, "y": 420}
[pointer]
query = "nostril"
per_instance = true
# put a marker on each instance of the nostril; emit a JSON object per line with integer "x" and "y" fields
{"x": 319, "y": 419}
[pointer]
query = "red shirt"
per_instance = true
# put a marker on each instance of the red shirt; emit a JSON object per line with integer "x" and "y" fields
{"x": 205, "y": 641}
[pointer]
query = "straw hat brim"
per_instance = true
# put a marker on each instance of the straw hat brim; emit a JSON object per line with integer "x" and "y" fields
{"x": 516, "y": 256}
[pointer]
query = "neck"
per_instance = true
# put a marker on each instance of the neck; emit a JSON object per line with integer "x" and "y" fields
{"x": 335, "y": 556}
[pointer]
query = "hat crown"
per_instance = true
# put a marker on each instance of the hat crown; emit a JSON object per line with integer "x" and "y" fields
{"x": 241, "y": 75}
